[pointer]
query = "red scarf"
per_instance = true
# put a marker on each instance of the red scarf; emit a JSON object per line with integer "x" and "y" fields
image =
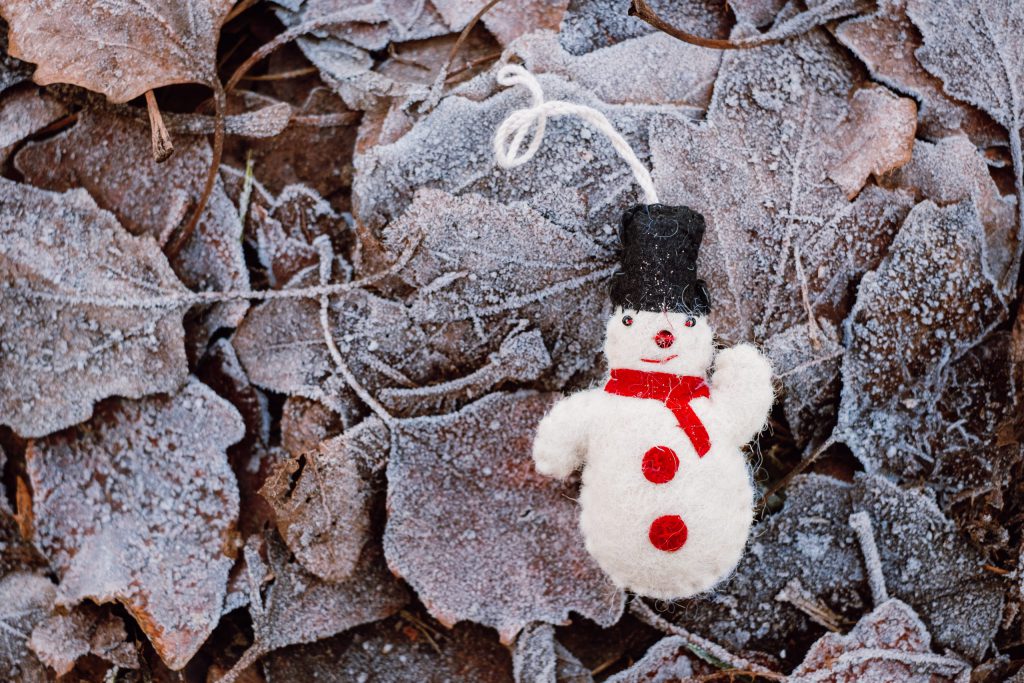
{"x": 675, "y": 391}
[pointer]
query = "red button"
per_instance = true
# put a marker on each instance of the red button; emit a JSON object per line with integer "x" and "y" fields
{"x": 668, "y": 533}
{"x": 660, "y": 464}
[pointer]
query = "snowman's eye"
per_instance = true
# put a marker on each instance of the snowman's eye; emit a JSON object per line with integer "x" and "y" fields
{"x": 690, "y": 322}
{"x": 627, "y": 320}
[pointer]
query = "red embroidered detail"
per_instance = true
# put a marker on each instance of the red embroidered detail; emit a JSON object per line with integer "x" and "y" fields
{"x": 664, "y": 339}
{"x": 660, "y": 464}
{"x": 668, "y": 533}
{"x": 675, "y": 391}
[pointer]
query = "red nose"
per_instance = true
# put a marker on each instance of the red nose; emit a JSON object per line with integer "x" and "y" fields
{"x": 664, "y": 339}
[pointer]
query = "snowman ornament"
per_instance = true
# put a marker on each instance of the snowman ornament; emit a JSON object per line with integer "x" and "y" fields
{"x": 666, "y": 498}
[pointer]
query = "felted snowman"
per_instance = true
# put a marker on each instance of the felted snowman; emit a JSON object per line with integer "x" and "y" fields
{"x": 666, "y": 501}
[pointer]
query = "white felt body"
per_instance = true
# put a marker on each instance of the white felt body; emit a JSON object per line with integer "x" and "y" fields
{"x": 713, "y": 494}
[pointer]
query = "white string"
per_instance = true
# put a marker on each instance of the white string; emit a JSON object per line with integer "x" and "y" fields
{"x": 513, "y": 130}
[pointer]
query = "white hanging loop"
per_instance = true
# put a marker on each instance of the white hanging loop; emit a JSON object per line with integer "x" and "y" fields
{"x": 513, "y": 130}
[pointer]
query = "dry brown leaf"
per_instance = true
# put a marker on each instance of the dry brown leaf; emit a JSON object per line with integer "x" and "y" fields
{"x": 667, "y": 660}
{"x": 138, "y": 506}
{"x": 111, "y": 157}
{"x": 539, "y": 658}
{"x": 121, "y": 49}
{"x": 89, "y": 311}
{"x": 300, "y": 608}
{"x": 305, "y": 423}
{"x": 755, "y": 12}
{"x": 398, "y": 651}
{"x": 952, "y": 171}
{"x": 24, "y": 111}
{"x": 889, "y": 644}
{"x": 877, "y": 137}
{"x": 62, "y": 639}
{"x": 929, "y": 302}
{"x": 508, "y": 19}
{"x": 25, "y": 600}
{"x": 463, "y": 500}
{"x": 321, "y": 500}
{"x": 886, "y": 41}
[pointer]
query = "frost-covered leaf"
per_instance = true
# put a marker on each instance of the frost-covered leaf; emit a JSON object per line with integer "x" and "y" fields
{"x": 886, "y": 41}
{"x": 667, "y": 660}
{"x": 507, "y": 20}
{"x": 873, "y": 110}
{"x": 12, "y": 71}
{"x": 88, "y": 312}
{"x": 25, "y": 600}
{"x": 889, "y": 644}
{"x": 300, "y": 608}
{"x": 321, "y": 500}
{"x": 463, "y": 499}
{"x": 974, "y": 47}
{"x": 756, "y": 12}
{"x": 929, "y": 301}
{"x": 305, "y": 423}
{"x": 539, "y": 658}
{"x": 138, "y": 506}
{"x": 925, "y": 562}
{"x": 783, "y": 244}
{"x": 592, "y": 24}
{"x": 397, "y": 651}
{"x": 121, "y": 49}
{"x": 662, "y": 70}
{"x": 111, "y": 157}
{"x": 24, "y": 111}
{"x": 60, "y": 640}
{"x": 951, "y": 171}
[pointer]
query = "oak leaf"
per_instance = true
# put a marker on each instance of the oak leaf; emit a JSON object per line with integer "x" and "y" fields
{"x": 121, "y": 49}
{"x": 138, "y": 506}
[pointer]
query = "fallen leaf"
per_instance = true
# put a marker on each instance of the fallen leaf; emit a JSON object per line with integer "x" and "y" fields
{"x": 12, "y": 71}
{"x": 305, "y": 423}
{"x": 23, "y": 111}
{"x": 462, "y": 494}
{"x": 755, "y": 12}
{"x": 889, "y": 644}
{"x": 539, "y": 658}
{"x": 321, "y": 500}
{"x": 119, "y": 49}
{"x": 111, "y": 157}
{"x": 300, "y": 608}
{"x": 25, "y": 600}
{"x": 395, "y": 651}
{"x": 593, "y": 24}
{"x": 667, "y": 660}
{"x": 663, "y": 70}
{"x": 930, "y": 301}
{"x": 506, "y": 20}
{"x": 138, "y": 506}
{"x": 951, "y": 171}
{"x": 873, "y": 110}
{"x": 60, "y": 640}
{"x": 886, "y": 41}
{"x": 925, "y": 562}
{"x": 90, "y": 311}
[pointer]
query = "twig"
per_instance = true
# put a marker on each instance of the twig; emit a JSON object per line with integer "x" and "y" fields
{"x": 163, "y": 148}
{"x": 442, "y": 76}
{"x": 791, "y": 28}
{"x": 861, "y": 524}
{"x": 283, "y": 75}
{"x": 698, "y": 645}
{"x": 220, "y": 104}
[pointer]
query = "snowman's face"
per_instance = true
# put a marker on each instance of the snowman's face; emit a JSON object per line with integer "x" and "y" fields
{"x": 676, "y": 343}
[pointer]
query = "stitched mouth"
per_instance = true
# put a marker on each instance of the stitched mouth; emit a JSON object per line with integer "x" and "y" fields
{"x": 663, "y": 360}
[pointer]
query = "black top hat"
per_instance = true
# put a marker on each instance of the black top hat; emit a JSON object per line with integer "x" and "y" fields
{"x": 659, "y": 260}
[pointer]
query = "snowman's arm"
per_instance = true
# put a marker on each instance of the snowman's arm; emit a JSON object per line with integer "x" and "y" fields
{"x": 741, "y": 391}
{"x": 561, "y": 441}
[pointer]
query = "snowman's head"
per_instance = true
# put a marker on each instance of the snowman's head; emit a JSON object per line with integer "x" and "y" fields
{"x": 677, "y": 343}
